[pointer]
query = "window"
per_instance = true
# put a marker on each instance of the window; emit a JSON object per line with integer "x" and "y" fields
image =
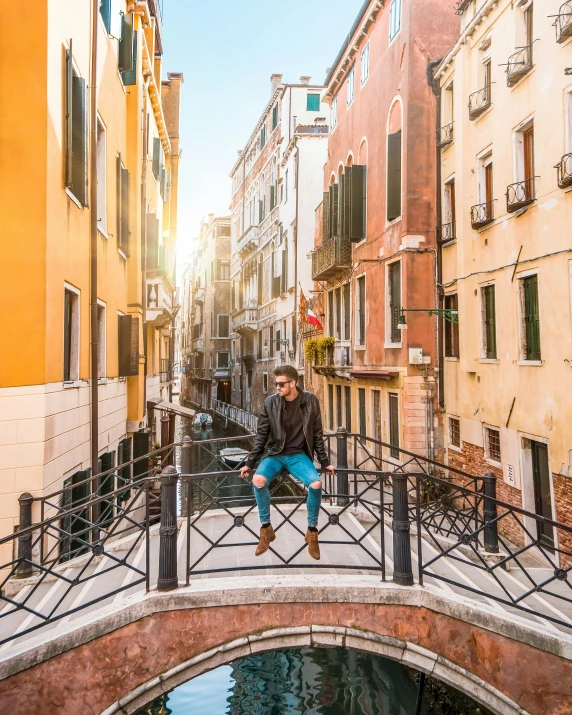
{"x": 331, "y": 406}
{"x": 223, "y": 360}
{"x": 394, "y": 176}
{"x": 525, "y": 162}
{"x": 128, "y": 345}
{"x": 71, "y": 335}
{"x": 338, "y": 313}
{"x": 286, "y": 186}
{"x": 334, "y": 112}
{"x": 271, "y": 342}
{"x": 128, "y": 50}
{"x": 348, "y": 406}
{"x": 339, "y": 405}
{"x": 530, "y": 312}
{"x": 394, "y": 301}
{"x": 485, "y": 186}
{"x": 394, "y": 18}
{"x": 350, "y": 86}
{"x": 492, "y": 444}
{"x": 361, "y": 310}
{"x": 394, "y": 424}
{"x": 488, "y": 312}
{"x": 454, "y": 432}
{"x": 364, "y": 68}
{"x": 347, "y": 311}
{"x": 262, "y": 137}
{"x": 361, "y": 411}
{"x": 76, "y": 131}
{"x": 448, "y": 104}
{"x": 224, "y": 326}
{"x": 123, "y": 216}
{"x": 451, "y": 329}
{"x": 222, "y": 270}
{"x": 260, "y": 344}
{"x": 265, "y": 383}
{"x": 101, "y": 177}
{"x": 274, "y": 117}
{"x": 448, "y": 230}
{"x": 313, "y": 103}
{"x": 101, "y": 347}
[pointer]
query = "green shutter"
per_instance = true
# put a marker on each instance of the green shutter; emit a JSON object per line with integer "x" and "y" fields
{"x": 124, "y": 211}
{"x": 357, "y": 187}
{"x": 124, "y": 472}
{"x": 105, "y": 10}
{"x": 394, "y": 277}
{"x": 344, "y": 204}
{"x": 347, "y": 311}
{"x": 130, "y": 76}
{"x": 126, "y": 58}
{"x": 156, "y": 166}
{"x": 334, "y": 196}
{"x": 532, "y": 318}
{"x": 490, "y": 323}
{"x": 326, "y": 216}
{"x": 394, "y": 425}
{"x": 275, "y": 117}
{"x": 394, "y": 176}
{"x": 79, "y": 140}
{"x": 313, "y": 103}
{"x": 68, "y": 103}
{"x": 361, "y": 407}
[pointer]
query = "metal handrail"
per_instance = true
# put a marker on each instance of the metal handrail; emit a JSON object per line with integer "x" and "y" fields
{"x": 520, "y": 194}
{"x": 445, "y": 135}
{"x": 480, "y": 101}
{"x": 564, "y": 169}
{"x": 519, "y": 64}
{"x": 563, "y": 22}
{"x": 482, "y": 214}
{"x": 446, "y": 233}
{"x": 333, "y": 255}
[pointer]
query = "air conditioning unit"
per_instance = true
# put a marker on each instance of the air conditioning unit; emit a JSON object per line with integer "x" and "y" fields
{"x": 416, "y": 356}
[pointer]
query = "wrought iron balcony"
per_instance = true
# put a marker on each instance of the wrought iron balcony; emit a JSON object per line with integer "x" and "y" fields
{"x": 564, "y": 168}
{"x": 445, "y": 136}
{"x": 563, "y": 22}
{"x": 482, "y": 214}
{"x": 479, "y": 102}
{"x": 519, "y": 64}
{"x": 332, "y": 256}
{"x": 446, "y": 233}
{"x": 520, "y": 194}
{"x": 245, "y": 319}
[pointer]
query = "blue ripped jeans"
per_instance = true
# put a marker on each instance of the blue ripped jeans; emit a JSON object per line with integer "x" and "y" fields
{"x": 301, "y": 468}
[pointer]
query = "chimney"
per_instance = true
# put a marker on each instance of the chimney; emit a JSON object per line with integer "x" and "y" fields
{"x": 305, "y": 80}
{"x": 275, "y": 81}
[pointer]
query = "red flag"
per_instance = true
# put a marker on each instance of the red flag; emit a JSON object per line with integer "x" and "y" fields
{"x": 312, "y": 320}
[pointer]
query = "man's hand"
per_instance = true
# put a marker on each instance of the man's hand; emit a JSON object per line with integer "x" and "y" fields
{"x": 330, "y": 469}
{"x": 244, "y": 472}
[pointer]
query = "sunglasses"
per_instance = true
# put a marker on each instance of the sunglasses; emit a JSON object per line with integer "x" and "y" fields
{"x": 281, "y": 384}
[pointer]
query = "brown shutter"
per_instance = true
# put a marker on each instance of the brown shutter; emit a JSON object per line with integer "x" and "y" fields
{"x": 357, "y": 191}
{"x": 326, "y": 216}
{"x": 124, "y": 344}
{"x": 394, "y": 176}
{"x": 334, "y": 195}
{"x": 134, "y": 347}
{"x": 394, "y": 275}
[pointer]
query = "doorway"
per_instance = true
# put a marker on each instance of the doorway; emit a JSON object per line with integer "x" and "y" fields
{"x": 542, "y": 493}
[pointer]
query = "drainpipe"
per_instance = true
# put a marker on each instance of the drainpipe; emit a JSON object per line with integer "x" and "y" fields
{"x": 296, "y": 241}
{"x": 147, "y": 79}
{"x": 93, "y": 245}
{"x": 439, "y": 263}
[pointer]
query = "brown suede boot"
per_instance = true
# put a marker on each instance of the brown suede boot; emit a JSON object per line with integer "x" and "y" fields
{"x": 267, "y": 536}
{"x": 311, "y": 539}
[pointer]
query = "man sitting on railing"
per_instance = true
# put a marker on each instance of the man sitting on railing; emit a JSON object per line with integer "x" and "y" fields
{"x": 289, "y": 432}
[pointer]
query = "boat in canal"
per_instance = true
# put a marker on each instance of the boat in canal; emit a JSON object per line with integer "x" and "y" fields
{"x": 233, "y": 457}
{"x": 202, "y": 422}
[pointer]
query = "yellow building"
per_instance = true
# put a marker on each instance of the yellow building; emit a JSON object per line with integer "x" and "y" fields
{"x": 506, "y": 231}
{"x": 46, "y": 208}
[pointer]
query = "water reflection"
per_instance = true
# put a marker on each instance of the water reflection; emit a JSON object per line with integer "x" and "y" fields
{"x": 312, "y": 681}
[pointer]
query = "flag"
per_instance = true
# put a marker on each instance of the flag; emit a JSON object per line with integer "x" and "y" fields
{"x": 303, "y": 317}
{"x": 312, "y": 320}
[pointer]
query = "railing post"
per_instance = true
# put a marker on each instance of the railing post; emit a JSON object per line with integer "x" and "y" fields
{"x": 172, "y": 424}
{"x": 342, "y": 486}
{"x": 490, "y": 513}
{"x": 168, "y": 578}
{"x": 402, "y": 569}
{"x": 25, "y": 542}
{"x": 165, "y": 425}
{"x": 186, "y": 468}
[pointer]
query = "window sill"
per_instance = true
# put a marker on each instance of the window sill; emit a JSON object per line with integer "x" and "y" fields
{"x": 454, "y": 448}
{"x": 493, "y": 463}
{"x": 531, "y": 363}
{"x": 102, "y": 381}
{"x": 72, "y": 384}
{"x": 451, "y": 359}
{"x": 489, "y": 361}
{"x": 359, "y": 347}
{"x": 103, "y": 232}
{"x": 393, "y": 346}
{"x": 73, "y": 198}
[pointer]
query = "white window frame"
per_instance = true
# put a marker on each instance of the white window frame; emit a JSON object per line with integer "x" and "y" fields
{"x": 483, "y": 160}
{"x": 568, "y": 110}
{"x": 357, "y": 345}
{"x": 483, "y": 327}
{"x": 350, "y": 87}
{"x": 486, "y": 428}
{"x": 102, "y": 176}
{"x": 447, "y": 203}
{"x": 75, "y": 336}
{"x": 334, "y": 112}
{"x": 450, "y": 445}
{"x": 394, "y": 19}
{"x": 518, "y": 153}
{"x": 521, "y": 323}
{"x": 364, "y": 64}
{"x": 101, "y": 341}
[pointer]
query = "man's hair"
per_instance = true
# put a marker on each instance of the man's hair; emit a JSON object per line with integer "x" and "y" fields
{"x": 287, "y": 371}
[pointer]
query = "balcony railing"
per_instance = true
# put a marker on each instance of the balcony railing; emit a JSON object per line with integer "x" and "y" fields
{"x": 245, "y": 319}
{"x": 333, "y": 255}
{"x": 520, "y": 194}
{"x": 482, "y": 214}
{"x": 446, "y": 233}
{"x": 445, "y": 136}
{"x": 564, "y": 168}
{"x": 479, "y": 102}
{"x": 248, "y": 241}
{"x": 563, "y": 22}
{"x": 519, "y": 64}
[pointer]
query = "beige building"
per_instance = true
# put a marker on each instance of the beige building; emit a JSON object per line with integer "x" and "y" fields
{"x": 505, "y": 140}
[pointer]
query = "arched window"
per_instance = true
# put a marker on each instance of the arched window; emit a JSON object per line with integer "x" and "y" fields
{"x": 394, "y": 144}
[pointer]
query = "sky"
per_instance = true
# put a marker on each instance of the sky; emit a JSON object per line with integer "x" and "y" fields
{"x": 227, "y": 50}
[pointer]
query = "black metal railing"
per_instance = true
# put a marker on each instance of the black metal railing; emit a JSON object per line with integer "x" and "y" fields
{"x": 445, "y": 135}
{"x": 480, "y": 101}
{"x": 518, "y": 65}
{"x": 564, "y": 169}
{"x": 446, "y": 232}
{"x": 332, "y": 256}
{"x": 520, "y": 194}
{"x": 563, "y": 22}
{"x": 482, "y": 214}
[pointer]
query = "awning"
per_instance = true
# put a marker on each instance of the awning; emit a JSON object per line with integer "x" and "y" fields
{"x": 374, "y": 374}
{"x": 176, "y": 409}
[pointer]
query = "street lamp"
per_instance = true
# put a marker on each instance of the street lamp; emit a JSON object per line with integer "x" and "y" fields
{"x": 449, "y": 314}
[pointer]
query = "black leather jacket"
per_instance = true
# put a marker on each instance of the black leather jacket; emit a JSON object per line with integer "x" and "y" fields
{"x": 270, "y": 436}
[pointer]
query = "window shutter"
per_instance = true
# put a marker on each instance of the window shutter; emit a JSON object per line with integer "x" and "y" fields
{"x": 134, "y": 348}
{"x": 361, "y": 298}
{"x": 126, "y": 43}
{"x": 334, "y": 195}
{"x": 357, "y": 191}
{"x": 490, "y": 323}
{"x": 284, "y": 275}
{"x": 105, "y": 10}
{"x": 362, "y": 416}
{"x": 259, "y": 283}
{"x": 152, "y": 241}
{"x": 347, "y": 312}
{"x": 326, "y": 216}
{"x": 124, "y": 344}
{"x": 69, "y": 124}
{"x": 394, "y": 425}
{"x": 260, "y": 211}
{"x": 156, "y": 157}
{"x": 394, "y": 176}
{"x": 343, "y": 208}
{"x": 394, "y": 275}
{"x": 79, "y": 139}
{"x": 124, "y": 211}
{"x": 141, "y": 444}
{"x": 129, "y": 77}
{"x": 532, "y": 318}
{"x": 118, "y": 208}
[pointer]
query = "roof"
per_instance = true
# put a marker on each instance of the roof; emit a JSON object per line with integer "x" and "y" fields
{"x": 344, "y": 47}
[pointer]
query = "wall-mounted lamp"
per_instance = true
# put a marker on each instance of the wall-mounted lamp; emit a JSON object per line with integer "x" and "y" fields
{"x": 449, "y": 314}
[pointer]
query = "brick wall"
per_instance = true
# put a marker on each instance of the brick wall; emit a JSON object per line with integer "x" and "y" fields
{"x": 563, "y": 500}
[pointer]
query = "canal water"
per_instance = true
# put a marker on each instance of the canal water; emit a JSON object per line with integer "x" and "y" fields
{"x": 313, "y": 681}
